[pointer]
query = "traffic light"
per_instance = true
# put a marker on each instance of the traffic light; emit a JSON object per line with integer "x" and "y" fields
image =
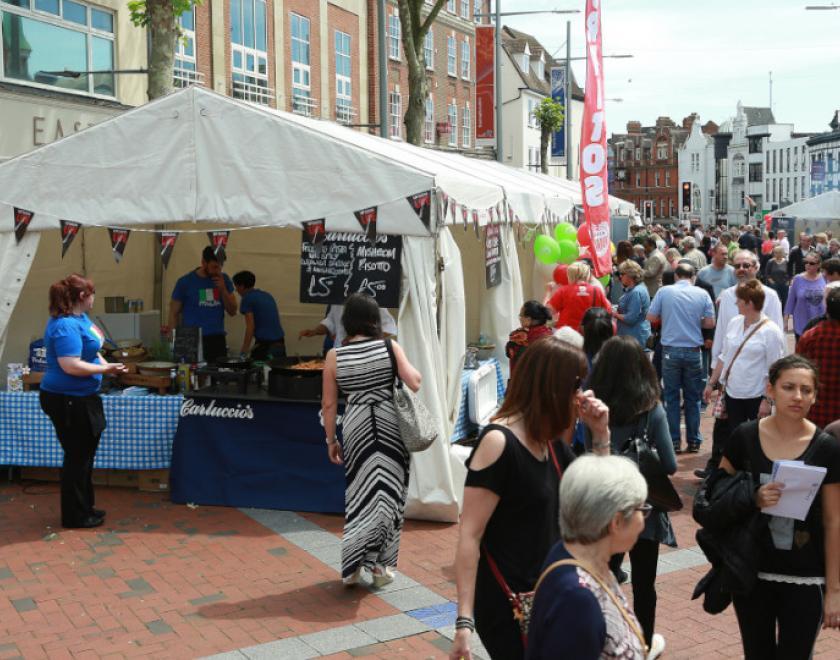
{"x": 648, "y": 210}
{"x": 686, "y": 196}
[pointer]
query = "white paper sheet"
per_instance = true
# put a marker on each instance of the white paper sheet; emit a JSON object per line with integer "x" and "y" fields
{"x": 802, "y": 485}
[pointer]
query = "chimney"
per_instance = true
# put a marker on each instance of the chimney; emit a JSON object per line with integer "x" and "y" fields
{"x": 634, "y": 127}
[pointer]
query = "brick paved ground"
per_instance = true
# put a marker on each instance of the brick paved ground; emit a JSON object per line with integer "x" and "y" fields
{"x": 167, "y": 581}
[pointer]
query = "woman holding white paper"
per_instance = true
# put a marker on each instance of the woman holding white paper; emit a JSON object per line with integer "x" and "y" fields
{"x": 798, "y": 586}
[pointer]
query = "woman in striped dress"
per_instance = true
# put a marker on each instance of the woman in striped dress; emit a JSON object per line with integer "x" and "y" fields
{"x": 374, "y": 456}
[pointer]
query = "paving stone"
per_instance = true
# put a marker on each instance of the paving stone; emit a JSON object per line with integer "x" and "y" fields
{"x": 365, "y": 651}
{"x": 24, "y": 604}
{"x": 147, "y": 505}
{"x": 105, "y": 572}
{"x": 477, "y": 648}
{"x": 159, "y": 627}
{"x": 150, "y": 528}
{"x": 108, "y": 539}
{"x": 338, "y": 639}
{"x": 438, "y": 616}
{"x": 230, "y": 655}
{"x": 5, "y": 573}
{"x": 281, "y": 522}
{"x": 292, "y": 648}
{"x": 279, "y": 551}
{"x": 387, "y": 628}
{"x": 225, "y": 532}
{"x": 312, "y": 539}
{"x": 442, "y": 643}
{"x": 331, "y": 556}
{"x": 139, "y": 584}
{"x": 206, "y": 600}
{"x": 413, "y": 598}
{"x": 37, "y": 566}
{"x": 401, "y": 581}
{"x": 6, "y": 648}
{"x": 98, "y": 557}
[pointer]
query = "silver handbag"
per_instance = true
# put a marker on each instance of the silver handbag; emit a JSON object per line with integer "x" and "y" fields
{"x": 417, "y": 428}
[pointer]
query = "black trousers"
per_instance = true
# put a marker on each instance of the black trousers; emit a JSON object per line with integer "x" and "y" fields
{"x": 262, "y": 349}
{"x": 796, "y": 609}
{"x": 79, "y": 422}
{"x": 643, "y": 560}
{"x": 738, "y": 411}
{"x": 214, "y": 346}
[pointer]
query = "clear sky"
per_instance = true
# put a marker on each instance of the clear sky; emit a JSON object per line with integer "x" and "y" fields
{"x": 704, "y": 56}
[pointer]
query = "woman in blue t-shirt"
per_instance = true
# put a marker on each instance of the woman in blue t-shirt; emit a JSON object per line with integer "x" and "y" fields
{"x": 69, "y": 394}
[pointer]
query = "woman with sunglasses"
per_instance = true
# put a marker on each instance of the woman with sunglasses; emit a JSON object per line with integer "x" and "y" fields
{"x": 805, "y": 297}
{"x": 510, "y": 517}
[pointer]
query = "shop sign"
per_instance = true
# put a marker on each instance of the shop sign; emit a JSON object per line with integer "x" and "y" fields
{"x": 492, "y": 256}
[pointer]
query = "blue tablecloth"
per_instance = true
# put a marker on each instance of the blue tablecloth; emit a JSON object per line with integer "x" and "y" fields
{"x": 254, "y": 452}
{"x": 463, "y": 427}
{"x": 138, "y": 437}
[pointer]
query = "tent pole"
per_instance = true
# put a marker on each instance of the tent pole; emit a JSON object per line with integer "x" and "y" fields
{"x": 157, "y": 288}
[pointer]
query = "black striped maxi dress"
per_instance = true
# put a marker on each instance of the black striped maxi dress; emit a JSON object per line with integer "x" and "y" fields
{"x": 375, "y": 458}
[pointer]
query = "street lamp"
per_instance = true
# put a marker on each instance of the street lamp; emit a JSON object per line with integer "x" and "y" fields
{"x": 821, "y": 7}
{"x": 497, "y": 17}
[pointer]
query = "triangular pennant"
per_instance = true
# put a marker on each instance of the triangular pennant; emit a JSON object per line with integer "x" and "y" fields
{"x": 422, "y": 205}
{"x": 445, "y": 202}
{"x": 475, "y": 223}
{"x": 68, "y": 233}
{"x": 464, "y": 215}
{"x": 491, "y": 215}
{"x": 367, "y": 219}
{"x": 316, "y": 231}
{"x": 22, "y": 220}
{"x": 119, "y": 238}
{"x": 511, "y": 214}
{"x": 219, "y": 242}
{"x": 500, "y": 210}
{"x": 167, "y": 245}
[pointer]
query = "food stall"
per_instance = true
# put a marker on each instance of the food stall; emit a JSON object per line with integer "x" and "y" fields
{"x": 195, "y": 161}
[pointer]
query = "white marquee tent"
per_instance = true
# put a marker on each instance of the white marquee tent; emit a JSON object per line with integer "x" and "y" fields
{"x": 196, "y": 156}
{"x": 821, "y": 207}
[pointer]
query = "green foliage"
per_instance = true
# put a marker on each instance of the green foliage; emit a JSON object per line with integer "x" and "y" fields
{"x": 141, "y": 17}
{"x": 550, "y": 115}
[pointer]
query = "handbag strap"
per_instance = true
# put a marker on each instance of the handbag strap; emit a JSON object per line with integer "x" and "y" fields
{"x": 738, "y": 352}
{"x": 393, "y": 358}
{"x": 634, "y": 626}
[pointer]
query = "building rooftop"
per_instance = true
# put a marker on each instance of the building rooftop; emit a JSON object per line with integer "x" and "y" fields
{"x": 515, "y": 42}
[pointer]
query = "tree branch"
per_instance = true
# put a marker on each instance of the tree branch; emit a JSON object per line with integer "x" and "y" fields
{"x": 430, "y": 18}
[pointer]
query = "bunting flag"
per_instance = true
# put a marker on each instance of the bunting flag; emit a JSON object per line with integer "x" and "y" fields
{"x": 422, "y": 205}
{"x": 444, "y": 198}
{"x": 464, "y": 215}
{"x": 119, "y": 238}
{"x": 491, "y": 214}
{"x": 68, "y": 233}
{"x": 511, "y": 214}
{"x": 367, "y": 220}
{"x": 500, "y": 210}
{"x": 167, "y": 244}
{"x": 475, "y": 223}
{"x": 219, "y": 241}
{"x": 316, "y": 231}
{"x": 22, "y": 220}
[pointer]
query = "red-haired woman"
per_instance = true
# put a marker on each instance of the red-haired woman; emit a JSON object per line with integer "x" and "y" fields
{"x": 69, "y": 394}
{"x": 510, "y": 516}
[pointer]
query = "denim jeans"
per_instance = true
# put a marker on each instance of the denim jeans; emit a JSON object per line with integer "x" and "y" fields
{"x": 682, "y": 371}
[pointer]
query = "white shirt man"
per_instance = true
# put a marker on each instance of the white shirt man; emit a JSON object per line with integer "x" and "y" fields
{"x": 783, "y": 242}
{"x": 728, "y": 310}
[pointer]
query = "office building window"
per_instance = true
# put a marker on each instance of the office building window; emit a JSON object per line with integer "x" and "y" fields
{"x": 534, "y": 157}
{"x": 452, "y": 118}
{"x": 52, "y": 36}
{"x": 395, "y": 115}
{"x": 767, "y": 164}
{"x": 343, "y": 78}
{"x": 774, "y": 162}
{"x": 450, "y": 6}
{"x": 394, "y": 36}
{"x": 787, "y": 159}
{"x": 656, "y": 179}
{"x": 185, "y": 64}
{"x": 451, "y": 56}
{"x": 429, "y": 121}
{"x": 796, "y": 158}
{"x": 465, "y": 59}
{"x": 756, "y": 172}
{"x": 465, "y": 9}
{"x": 667, "y": 178}
{"x": 302, "y": 101}
{"x": 478, "y": 8}
{"x": 466, "y": 127}
{"x": 803, "y": 187}
{"x": 429, "y": 49}
{"x": 249, "y": 37}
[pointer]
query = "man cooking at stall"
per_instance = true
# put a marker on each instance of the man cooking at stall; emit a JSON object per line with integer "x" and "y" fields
{"x": 332, "y": 325}
{"x": 262, "y": 320}
{"x": 201, "y": 298}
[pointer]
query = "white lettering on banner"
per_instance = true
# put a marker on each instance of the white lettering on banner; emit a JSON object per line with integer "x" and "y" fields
{"x": 191, "y": 408}
{"x": 593, "y": 145}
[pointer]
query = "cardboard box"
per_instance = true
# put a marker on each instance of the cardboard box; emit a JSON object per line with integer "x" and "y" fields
{"x": 153, "y": 481}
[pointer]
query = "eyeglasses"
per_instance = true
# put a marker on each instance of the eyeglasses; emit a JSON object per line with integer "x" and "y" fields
{"x": 645, "y": 509}
{"x": 812, "y": 263}
{"x": 743, "y": 266}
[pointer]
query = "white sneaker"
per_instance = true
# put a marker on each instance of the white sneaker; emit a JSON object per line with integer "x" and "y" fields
{"x": 657, "y": 646}
{"x": 353, "y": 579}
{"x": 382, "y": 576}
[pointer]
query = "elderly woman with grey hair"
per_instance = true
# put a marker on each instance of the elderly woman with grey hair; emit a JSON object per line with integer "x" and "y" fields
{"x": 602, "y": 512}
{"x": 631, "y": 313}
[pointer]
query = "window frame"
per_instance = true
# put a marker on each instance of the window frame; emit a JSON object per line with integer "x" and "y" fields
{"x": 89, "y": 32}
{"x": 343, "y": 99}
{"x": 466, "y": 66}
{"x": 302, "y": 88}
{"x": 429, "y": 120}
{"x": 394, "y": 25}
{"x": 394, "y": 103}
{"x": 465, "y": 9}
{"x": 466, "y": 126}
{"x": 451, "y": 56}
{"x": 429, "y": 49}
{"x": 452, "y": 120}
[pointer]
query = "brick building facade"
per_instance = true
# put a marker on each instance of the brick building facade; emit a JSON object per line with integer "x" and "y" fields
{"x": 646, "y": 166}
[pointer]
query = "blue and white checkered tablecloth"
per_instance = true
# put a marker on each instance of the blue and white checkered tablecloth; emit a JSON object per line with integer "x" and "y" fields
{"x": 138, "y": 437}
{"x": 463, "y": 427}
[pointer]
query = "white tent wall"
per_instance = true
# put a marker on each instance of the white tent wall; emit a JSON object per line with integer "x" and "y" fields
{"x": 15, "y": 263}
{"x": 453, "y": 327}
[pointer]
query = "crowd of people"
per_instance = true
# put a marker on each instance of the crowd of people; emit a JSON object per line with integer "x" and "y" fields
{"x": 690, "y": 320}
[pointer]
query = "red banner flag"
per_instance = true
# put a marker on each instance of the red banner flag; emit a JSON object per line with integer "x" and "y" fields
{"x": 22, "y": 220}
{"x": 485, "y": 95}
{"x": 68, "y": 233}
{"x": 593, "y": 145}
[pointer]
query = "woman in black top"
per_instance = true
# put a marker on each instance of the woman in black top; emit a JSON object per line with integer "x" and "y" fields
{"x": 798, "y": 584}
{"x": 510, "y": 509}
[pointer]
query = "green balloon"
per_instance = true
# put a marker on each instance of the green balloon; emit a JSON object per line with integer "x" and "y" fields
{"x": 565, "y": 232}
{"x": 568, "y": 251}
{"x": 546, "y": 249}
{"x": 604, "y": 279}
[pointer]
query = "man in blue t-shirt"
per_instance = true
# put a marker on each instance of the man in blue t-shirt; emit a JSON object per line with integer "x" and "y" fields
{"x": 201, "y": 298}
{"x": 262, "y": 321}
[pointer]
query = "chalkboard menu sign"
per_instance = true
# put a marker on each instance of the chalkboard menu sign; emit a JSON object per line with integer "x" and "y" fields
{"x": 187, "y": 345}
{"x": 344, "y": 263}
{"x": 492, "y": 256}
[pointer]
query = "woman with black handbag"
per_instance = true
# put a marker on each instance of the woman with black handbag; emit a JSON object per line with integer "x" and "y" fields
{"x": 624, "y": 379}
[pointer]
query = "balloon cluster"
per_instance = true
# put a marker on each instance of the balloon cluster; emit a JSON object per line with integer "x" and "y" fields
{"x": 568, "y": 245}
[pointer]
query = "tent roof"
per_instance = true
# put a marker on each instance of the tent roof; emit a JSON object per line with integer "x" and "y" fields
{"x": 821, "y": 207}
{"x": 198, "y": 156}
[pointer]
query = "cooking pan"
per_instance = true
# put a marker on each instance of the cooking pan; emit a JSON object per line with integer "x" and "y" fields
{"x": 233, "y": 363}
{"x": 284, "y": 366}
